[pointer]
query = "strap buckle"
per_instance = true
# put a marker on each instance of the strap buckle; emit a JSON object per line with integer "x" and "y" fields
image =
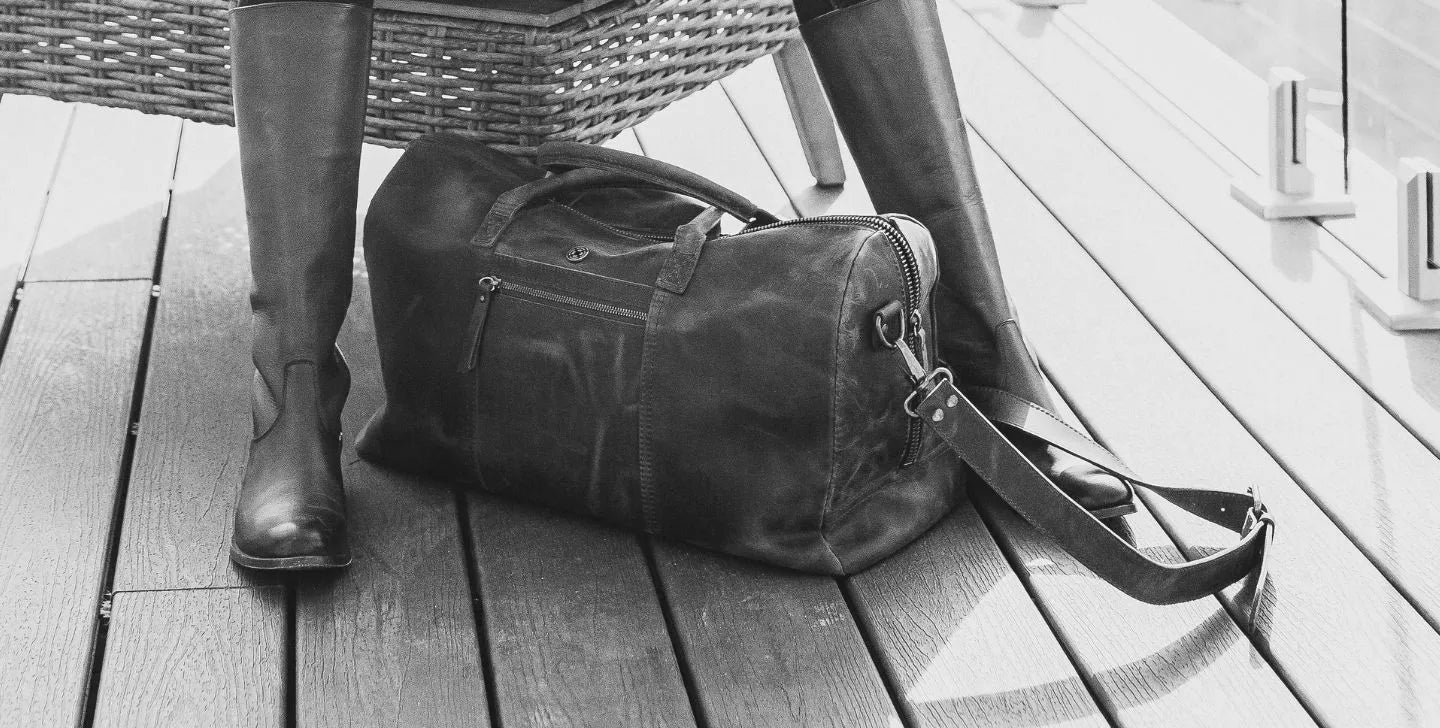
{"x": 1258, "y": 513}
{"x": 925, "y": 387}
{"x": 1259, "y": 517}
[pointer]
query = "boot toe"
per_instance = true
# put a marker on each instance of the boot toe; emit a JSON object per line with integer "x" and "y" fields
{"x": 1095, "y": 490}
{"x": 287, "y": 541}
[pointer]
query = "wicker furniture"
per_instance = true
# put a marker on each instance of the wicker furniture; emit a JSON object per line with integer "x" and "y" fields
{"x": 511, "y": 84}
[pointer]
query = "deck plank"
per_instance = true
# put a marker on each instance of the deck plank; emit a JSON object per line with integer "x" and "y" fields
{"x": 574, "y": 625}
{"x": 109, "y": 197}
{"x": 737, "y": 165}
{"x": 761, "y": 646}
{"x": 65, "y": 391}
{"x": 193, "y": 432}
{"x": 32, "y": 134}
{"x": 1301, "y": 268}
{"x": 1347, "y": 642}
{"x": 957, "y": 634}
{"x": 1133, "y": 692}
{"x": 1150, "y": 665}
{"x": 195, "y": 657}
{"x": 960, "y": 638}
{"x": 400, "y": 619}
{"x": 767, "y": 646}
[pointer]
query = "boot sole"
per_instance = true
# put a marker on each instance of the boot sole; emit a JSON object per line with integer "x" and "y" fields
{"x": 1115, "y": 511}
{"x": 288, "y": 563}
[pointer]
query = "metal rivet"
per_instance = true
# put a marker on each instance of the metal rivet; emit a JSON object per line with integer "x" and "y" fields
{"x": 939, "y": 415}
{"x": 954, "y": 400}
{"x": 577, "y": 254}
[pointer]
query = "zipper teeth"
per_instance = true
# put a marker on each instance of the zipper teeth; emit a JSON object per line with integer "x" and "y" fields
{"x": 616, "y": 229}
{"x": 909, "y": 268}
{"x": 908, "y": 265}
{"x": 573, "y": 301}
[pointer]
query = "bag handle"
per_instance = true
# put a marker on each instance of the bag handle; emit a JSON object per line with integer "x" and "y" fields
{"x": 512, "y": 201}
{"x": 563, "y": 156}
{"x": 974, "y": 437}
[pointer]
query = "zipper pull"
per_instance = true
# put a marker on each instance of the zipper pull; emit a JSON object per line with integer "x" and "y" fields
{"x": 488, "y": 286}
{"x": 918, "y": 327}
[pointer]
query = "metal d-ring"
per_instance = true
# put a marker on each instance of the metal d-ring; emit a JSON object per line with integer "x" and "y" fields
{"x": 925, "y": 386}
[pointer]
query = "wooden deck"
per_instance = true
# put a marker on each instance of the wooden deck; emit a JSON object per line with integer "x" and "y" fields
{"x": 1200, "y": 343}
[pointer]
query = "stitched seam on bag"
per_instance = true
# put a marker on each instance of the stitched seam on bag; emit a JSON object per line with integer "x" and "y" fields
{"x": 570, "y": 270}
{"x": 826, "y": 516}
{"x": 834, "y": 378}
{"x": 645, "y": 458}
{"x": 849, "y": 508}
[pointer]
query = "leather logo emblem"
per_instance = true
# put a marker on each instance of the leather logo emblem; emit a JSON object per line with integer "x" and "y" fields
{"x": 577, "y": 254}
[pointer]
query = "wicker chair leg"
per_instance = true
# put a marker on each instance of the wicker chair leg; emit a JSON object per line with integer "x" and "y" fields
{"x": 811, "y": 113}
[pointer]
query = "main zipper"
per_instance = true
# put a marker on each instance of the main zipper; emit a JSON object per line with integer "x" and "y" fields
{"x": 490, "y": 287}
{"x": 910, "y": 270}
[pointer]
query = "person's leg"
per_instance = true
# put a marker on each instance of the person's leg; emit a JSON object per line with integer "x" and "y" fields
{"x": 885, "y": 69}
{"x": 299, "y": 72}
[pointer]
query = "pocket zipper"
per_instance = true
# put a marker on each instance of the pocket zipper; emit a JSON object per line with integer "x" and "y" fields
{"x": 490, "y": 287}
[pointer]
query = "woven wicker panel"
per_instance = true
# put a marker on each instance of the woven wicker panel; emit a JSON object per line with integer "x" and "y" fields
{"x": 513, "y": 86}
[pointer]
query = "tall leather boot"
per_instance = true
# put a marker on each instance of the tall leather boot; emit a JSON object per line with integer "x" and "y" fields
{"x": 884, "y": 67}
{"x": 299, "y": 77}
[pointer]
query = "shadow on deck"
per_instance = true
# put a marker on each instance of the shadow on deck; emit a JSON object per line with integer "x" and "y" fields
{"x": 123, "y": 387}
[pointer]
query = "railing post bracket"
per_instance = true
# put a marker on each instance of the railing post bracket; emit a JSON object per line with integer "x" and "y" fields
{"x": 1410, "y": 300}
{"x": 1287, "y": 188}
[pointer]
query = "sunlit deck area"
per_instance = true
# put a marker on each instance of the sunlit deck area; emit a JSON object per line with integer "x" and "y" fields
{"x": 1199, "y": 342}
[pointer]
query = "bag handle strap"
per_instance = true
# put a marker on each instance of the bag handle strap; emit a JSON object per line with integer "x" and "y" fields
{"x": 971, "y": 434}
{"x": 563, "y": 156}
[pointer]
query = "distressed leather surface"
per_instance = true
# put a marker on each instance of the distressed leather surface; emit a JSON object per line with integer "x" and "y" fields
{"x": 752, "y": 413}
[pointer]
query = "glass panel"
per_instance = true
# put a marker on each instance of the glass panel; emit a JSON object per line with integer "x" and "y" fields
{"x": 1260, "y": 34}
{"x": 1394, "y": 81}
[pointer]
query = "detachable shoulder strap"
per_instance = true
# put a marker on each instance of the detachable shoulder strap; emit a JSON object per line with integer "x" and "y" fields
{"x": 975, "y": 438}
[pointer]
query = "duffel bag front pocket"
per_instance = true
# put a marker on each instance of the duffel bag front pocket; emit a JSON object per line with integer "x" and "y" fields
{"x": 556, "y": 387}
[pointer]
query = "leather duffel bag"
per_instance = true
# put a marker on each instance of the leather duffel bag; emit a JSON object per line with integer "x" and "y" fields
{"x": 578, "y": 333}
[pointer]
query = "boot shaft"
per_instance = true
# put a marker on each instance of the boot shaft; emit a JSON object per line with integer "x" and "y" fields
{"x": 300, "y": 71}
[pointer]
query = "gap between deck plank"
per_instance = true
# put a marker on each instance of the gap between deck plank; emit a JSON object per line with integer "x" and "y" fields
{"x": 391, "y": 639}
{"x": 109, "y": 197}
{"x": 1294, "y": 262}
{"x": 32, "y": 135}
{"x": 1099, "y": 626}
{"x": 1269, "y": 371}
{"x": 65, "y": 390}
{"x": 1328, "y": 608}
{"x": 211, "y": 657}
{"x": 762, "y": 646}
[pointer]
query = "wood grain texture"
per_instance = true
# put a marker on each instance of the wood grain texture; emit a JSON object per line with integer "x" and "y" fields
{"x": 766, "y": 646}
{"x": 1349, "y": 645}
{"x": 957, "y": 634}
{"x": 1298, "y": 266}
{"x": 1116, "y": 639}
{"x": 755, "y": 91}
{"x": 761, "y": 646}
{"x": 196, "y": 423}
{"x": 703, "y": 132}
{"x": 196, "y": 657}
{"x": 390, "y": 640}
{"x": 109, "y": 197}
{"x": 65, "y": 393}
{"x": 32, "y": 134}
{"x": 1150, "y": 665}
{"x": 962, "y": 641}
{"x": 1361, "y": 464}
{"x": 575, "y": 629}
{"x": 1107, "y": 633}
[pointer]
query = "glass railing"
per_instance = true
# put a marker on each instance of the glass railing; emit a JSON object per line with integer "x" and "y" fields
{"x": 1259, "y": 35}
